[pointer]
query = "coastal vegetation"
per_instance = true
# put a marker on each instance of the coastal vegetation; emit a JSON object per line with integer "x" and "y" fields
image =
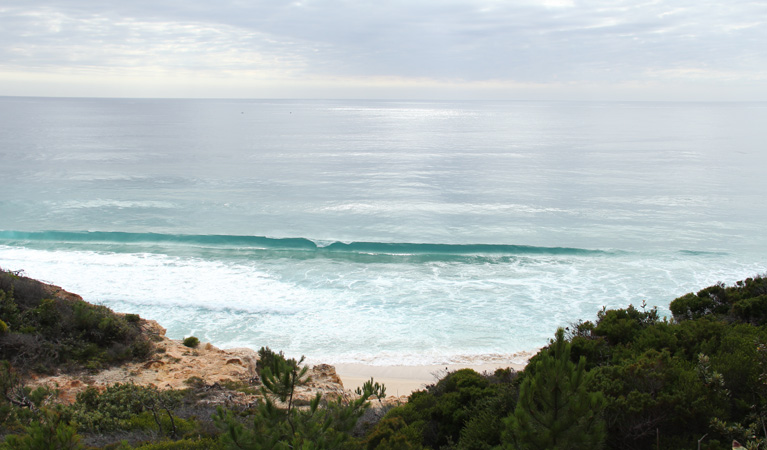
{"x": 191, "y": 342}
{"x": 630, "y": 379}
{"x": 41, "y": 332}
{"x": 316, "y": 426}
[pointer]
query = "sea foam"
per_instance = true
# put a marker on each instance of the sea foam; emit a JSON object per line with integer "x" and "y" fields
{"x": 378, "y": 309}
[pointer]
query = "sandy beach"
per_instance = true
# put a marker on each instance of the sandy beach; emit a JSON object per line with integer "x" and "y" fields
{"x": 403, "y": 380}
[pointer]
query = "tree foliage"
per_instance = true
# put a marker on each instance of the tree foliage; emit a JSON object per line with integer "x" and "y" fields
{"x": 555, "y": 408}
{"x": 463, "y": 409}
{"x": 277, "y": 423}
{"x": 746, "y": 301}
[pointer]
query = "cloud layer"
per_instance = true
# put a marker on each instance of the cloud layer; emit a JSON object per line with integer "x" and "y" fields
{"x": 488, "y": 47}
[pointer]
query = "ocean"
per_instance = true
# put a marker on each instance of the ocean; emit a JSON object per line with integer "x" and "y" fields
{"x": 381, "y": 232}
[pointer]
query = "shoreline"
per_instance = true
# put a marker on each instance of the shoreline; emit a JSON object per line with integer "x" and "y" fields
{"x": 401, "y": 380}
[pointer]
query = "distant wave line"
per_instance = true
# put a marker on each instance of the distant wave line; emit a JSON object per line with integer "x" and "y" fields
{"x": 287, "y": 244}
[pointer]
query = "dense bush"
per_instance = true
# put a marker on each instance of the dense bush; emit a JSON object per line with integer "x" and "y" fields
{"x": 132, "y": 318}
{"x": 746, "y": 301}
{"x": 555, "y": 409}
{"x": 204, "y": 443}
{"x": 445, "y": 413}
{"x": 120, "y": 410}
{"x": 43, "y": 331}
{"x": 127, "y": 406}
{"x": 667, "y": 381}
{"x": 191, "y": 342}
{"x": 49, "y": 432}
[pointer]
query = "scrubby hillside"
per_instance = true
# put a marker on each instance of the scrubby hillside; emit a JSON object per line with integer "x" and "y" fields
{"x": 45, "y": 329}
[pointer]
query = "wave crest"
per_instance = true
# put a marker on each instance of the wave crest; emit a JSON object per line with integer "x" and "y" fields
{"x": 284, "y": 244}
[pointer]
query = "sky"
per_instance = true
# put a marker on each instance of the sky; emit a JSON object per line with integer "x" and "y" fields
{"x": 678, "y": 50}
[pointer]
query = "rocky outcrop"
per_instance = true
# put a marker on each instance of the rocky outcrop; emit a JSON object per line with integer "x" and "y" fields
{"x": 175, "y": 366}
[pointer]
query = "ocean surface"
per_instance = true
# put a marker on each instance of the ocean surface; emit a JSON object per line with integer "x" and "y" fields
{"x": 382, "y": 232}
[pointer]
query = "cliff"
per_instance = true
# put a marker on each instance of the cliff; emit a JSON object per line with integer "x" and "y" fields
{"x": 230, "y": 374}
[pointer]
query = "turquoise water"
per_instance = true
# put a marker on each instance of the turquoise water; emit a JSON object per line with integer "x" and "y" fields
{"x": 380, "y": 232}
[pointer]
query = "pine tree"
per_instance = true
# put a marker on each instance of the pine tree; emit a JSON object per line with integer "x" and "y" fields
{"x": 555, "y": 409}
{"x": 278, "y": 424}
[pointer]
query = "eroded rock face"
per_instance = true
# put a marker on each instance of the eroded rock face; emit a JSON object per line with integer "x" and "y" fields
{"x": 58, "y": 292}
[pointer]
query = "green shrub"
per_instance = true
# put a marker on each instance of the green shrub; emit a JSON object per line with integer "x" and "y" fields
{"x": 151, "y": 421}
{"x": 3, "y": 327}
{"x": 746, "y": 301}
{"x": 392, "y": 433}
{"x": 439, "y": 413}
{"x": 736, "y": 356}
{"x": 9, "y": 310}
{"x": 620, "y": 326}
{"x": 751, "y": 310}
{"x": 195, "y": 382}
{"x": 693, "y": 306}
{"x": 266, "y": 358}
{"x": 184, "y": 444}
{"x": 25, "y": 291}
{"x": 654, "y": 393}
{"x": 484, "y": 428}
{"x": 127, "y": 406}
{"x": 60, "y": 333}
{"x": 142, "y": 348}
{"x": 51, "y": 432}
{"x": 555, "y": 409}
{"x": 191, "y": 342}
{"x": 132, "y": 318}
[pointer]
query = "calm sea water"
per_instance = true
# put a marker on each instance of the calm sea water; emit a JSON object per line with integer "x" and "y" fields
{"x": 380, "y": 231}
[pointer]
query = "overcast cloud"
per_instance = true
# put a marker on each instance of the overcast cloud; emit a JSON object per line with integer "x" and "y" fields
{"x": 547, "y": 49}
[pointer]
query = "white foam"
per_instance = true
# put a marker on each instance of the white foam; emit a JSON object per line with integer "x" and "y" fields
{"x": 103, "y": 203}
{"x": 376, "y": 313}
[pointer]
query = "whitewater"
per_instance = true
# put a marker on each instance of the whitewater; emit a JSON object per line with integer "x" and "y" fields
{"x": 381, "y": 232}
